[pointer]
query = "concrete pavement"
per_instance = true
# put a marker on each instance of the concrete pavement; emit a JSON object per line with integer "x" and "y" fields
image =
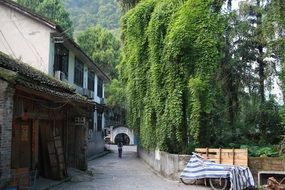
{"x": 129, "y": 173}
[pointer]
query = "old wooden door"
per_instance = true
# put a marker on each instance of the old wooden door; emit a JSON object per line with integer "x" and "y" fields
{"x": 22, "y": 144}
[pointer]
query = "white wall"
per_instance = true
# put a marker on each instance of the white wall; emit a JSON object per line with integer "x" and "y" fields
{"x": 71, "y": 65}
{"x": 103, "y": 121}
{"x": 96, "y": 98}
{"x": 24, "y": 38}
{"x": 85, "y": 76}
{"x": 95, "y": 121}
{"x": 96, "y": 144}
{"x": 51, "y": 57}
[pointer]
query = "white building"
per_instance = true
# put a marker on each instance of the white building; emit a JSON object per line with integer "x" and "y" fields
{"x": 35, "y": 40}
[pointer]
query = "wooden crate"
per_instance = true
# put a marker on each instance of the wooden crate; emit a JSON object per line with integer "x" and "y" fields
{"x": 238, "y": 157}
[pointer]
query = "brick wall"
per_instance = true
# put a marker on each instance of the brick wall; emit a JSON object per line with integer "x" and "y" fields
{"x": 6, "y": 114}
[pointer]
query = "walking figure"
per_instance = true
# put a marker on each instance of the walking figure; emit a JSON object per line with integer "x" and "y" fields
{"x": 120, "y": 149}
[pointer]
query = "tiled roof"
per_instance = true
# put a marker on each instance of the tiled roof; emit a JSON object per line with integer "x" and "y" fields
{"x": 24, "y": 75}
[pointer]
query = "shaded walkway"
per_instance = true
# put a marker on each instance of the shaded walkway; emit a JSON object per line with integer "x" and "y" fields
{"x": 128, "y": 173}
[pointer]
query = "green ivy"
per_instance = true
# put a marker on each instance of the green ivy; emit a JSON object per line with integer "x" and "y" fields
{"x": 170, "y": 57}
{"x": 135, "y": 60}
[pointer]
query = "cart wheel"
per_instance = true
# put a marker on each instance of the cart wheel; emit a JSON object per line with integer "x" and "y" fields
{"x": 218, "y": 183}
{"x": 188, "y": 181}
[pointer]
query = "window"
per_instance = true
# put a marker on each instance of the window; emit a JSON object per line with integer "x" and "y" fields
{"x": 78, "y": 73}
{"x": 61, "y": 59}
{"x": 91, "y": 81}
{"x": 100, "y": 88}
{"x": 99, "y": 121}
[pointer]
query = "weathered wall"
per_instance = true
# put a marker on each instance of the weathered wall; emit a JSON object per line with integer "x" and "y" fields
{"x": 77, "y": 147}
{"x": 171, "y": 165}
{"x": 96, "y": 144}
{"x": 24, "y": 38}
{"x": 257, "y": 164}
{"x": 168, "y": 165}
{"x": 6, "y": 112}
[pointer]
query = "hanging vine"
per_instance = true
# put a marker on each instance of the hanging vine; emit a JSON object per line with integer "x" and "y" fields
{"x": 135, "y": 60}
{"x": 165, "y": 47}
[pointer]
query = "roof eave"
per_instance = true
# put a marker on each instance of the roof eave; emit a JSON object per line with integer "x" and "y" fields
{"x": 29, "y": 13}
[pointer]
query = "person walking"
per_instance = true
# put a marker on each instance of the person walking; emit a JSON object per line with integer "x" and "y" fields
{"x": 120, "y": 149}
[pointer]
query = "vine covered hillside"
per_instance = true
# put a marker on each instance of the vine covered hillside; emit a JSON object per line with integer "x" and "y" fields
{"x": 197, "y": 75}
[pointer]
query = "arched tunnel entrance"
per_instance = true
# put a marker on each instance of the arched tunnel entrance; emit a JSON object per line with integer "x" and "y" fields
{"x": 122, "y": 134}
{"x": 122, "y": 137}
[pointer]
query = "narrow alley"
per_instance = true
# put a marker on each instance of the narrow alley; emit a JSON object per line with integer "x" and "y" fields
{"x": 128, "y": 173}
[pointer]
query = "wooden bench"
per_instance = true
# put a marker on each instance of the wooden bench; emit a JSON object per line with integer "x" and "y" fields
{"x": 238, "y": 157}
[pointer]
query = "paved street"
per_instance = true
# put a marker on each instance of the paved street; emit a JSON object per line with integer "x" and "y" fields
{"x": 128, "y": 173}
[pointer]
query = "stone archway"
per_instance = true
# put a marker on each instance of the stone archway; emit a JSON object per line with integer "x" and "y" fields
{"x": 122, "y": 130}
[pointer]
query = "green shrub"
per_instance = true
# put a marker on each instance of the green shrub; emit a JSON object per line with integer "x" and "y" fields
{"x": 257, "y": 151}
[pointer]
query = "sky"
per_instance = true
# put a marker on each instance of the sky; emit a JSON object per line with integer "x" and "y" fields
{"x": 235, "y": 4}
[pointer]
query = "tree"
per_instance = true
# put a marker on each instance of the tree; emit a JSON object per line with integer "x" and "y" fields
{"x": 102, "y": 47}
{"x": 116, "y": 94}
{"x": 31, "y": 4}
{"x": 247, "y": 72}
{"x": 52, "y": 9}
{"x": 127, "y": 4}
{"x": 262, "y": 67}
{"x": 275, "y": 27}
{"x": 85, "y": 13}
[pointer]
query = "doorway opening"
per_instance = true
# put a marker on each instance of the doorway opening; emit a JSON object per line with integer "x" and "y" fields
{"x": 122, "y": 137}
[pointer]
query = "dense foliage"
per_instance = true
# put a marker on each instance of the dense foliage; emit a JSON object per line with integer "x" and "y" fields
{"x": 86, "y": 13}
{"x": 169, "y": 70}
{"x": 197, "y": 74}
{"x": 102, "y": 47}
{"x": 52, "y": 9}
{"x": 127, "y": 4}
{"x": 262, "y": 151}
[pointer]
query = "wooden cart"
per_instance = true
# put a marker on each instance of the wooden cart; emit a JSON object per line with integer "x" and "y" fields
{"x": 238, "y": 157}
